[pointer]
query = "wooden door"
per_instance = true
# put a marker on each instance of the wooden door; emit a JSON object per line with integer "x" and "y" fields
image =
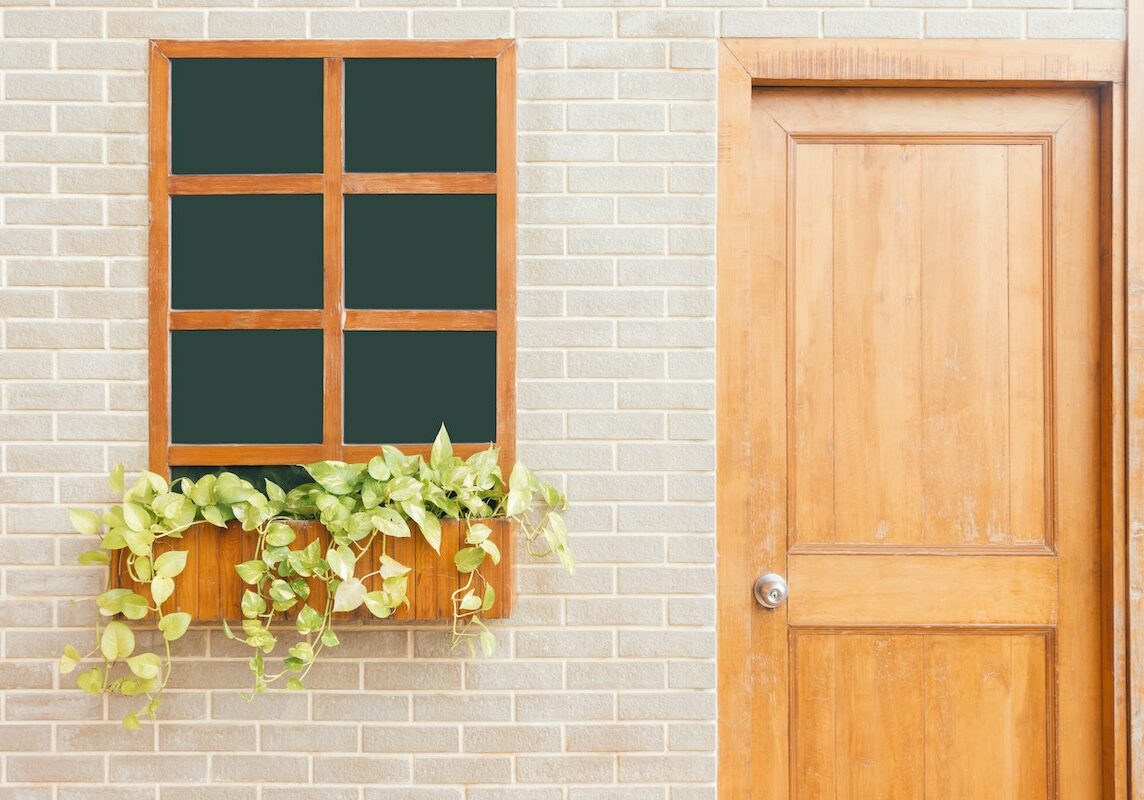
{"x": 925, "y": 349}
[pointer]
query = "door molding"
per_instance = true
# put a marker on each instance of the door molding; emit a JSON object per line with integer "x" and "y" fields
{"x": 742, "y": 502}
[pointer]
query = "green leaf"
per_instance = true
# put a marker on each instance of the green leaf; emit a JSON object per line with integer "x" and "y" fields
{"x": 227, "y": 631}
{"x": 274, "y": 492}
{"x": 131, "y": 721}
{"x": 488, "y": 643}
{"x": 117, "y": 641}
{"x": 329, "y": 638}
{"x": 336, "y": 477}
{"x": 94, "y": 557}
{"x": 137, "y": 517}
{"x": 490, "y": 547}
{"x": 230, "y": 489}
{"x": 294, "y": 685}
{"x": 279, "y": 534}
{"x": 442, "y": 453}
{"x": 145, "y": 665}
{"x": 517, "y": 502}
{"x": 377, "y": 605}
{"x": 139, "y": 542}
{"x": 253, "y": 604}
{"x": 214, "y": 516}
{"x": 280, "y": 591}
{"x": 69, "y": 660}
{"x": 91, "y": 681}
{"x": 470, "y": 602}
{"x": 171, "y": 563}
{"x": 430, "y": 525}
{"x": 303, "y": 651}
{"x": 309, "y": 620}
{"x": 341, "y": 560}
{"x": 478, "y": 533}
{"x": 359, "y": 525}
{"x": 135, "y": 606}
{"x": 85, "y": 521}
{"x": 115, "y": 479}
{"x": 350, "y": 595}
{"x": 391, "y": 567}
{"x": 390, "y": 523}
{"x": 111, "y": 602}
{"x": 174, "y": 625}
{"x": 162, "y": 587}
{"x": 114, "y": 539}
{"x": 378, "y": 470}
{"x": 143, "y": 568}
{"x": 490, "y": 597}
{"x": 251, "y": 571}
{"x": 468, "y": 559}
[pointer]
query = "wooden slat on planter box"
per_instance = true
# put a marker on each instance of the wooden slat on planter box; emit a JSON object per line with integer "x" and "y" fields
{"x": 210, "y": 590}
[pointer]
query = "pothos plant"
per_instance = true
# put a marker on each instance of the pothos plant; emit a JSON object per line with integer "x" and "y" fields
{"x": 356, "y": 503}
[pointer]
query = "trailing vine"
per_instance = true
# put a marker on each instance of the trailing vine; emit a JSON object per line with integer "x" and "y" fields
{"x": 355, "y": 503}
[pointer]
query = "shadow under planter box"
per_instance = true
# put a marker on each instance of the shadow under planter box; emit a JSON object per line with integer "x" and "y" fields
{"x": 210, "y": 589}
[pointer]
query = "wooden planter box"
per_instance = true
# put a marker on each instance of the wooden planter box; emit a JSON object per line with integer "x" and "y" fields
{"x": 210, "y": 590}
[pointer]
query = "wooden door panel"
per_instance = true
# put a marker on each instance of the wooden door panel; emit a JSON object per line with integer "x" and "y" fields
{"x": 931, "y": 278}
{"x": 867, "y": 589}
{"x": 917, "y": 346}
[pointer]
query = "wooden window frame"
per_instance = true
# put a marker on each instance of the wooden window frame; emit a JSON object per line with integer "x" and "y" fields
{"x": 747, "y": 63}
{"x": 333, "y": 183}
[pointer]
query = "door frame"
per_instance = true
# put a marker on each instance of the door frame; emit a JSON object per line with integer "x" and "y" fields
{"x": 746, "y": 63}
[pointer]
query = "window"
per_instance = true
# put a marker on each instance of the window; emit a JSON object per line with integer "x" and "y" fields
{"x": 332, "y": 250}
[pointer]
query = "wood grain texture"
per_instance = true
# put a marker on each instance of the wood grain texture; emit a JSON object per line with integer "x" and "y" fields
{"x": 335, "y": 48}
{"x": 1048, "y": 168}
{"x": 894, "y": 62}
{"x": 736, "y": 509}
{"x": 1133, "y": 176}
{"x": 210, "y": 590}
{"x": 418, "y": 320}
{"x": 420, "y": 183}
{"x": 159, "y": 264}
{"x": 922, "y": 589}
{"x": 245, "y": 184}
{"x": 244, "y": 320}
{"x": 333, "y": 266}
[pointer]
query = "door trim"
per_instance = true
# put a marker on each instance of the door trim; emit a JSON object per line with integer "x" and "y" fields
{"x": 745, "y": 63}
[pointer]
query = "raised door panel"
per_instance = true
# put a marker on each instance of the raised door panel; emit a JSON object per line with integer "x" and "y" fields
{"x": 918, "y": 351}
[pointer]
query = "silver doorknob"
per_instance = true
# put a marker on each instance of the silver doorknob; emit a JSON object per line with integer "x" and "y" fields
{"x": 771, "y": 590}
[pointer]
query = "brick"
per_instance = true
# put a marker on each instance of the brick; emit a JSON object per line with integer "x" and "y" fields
{"x": 974, "y": 24}
{"x": 770, "y": 23}
{"x": 462, "y": 769}
{"x": 45, "y": 24}
{"x": 462, "y": 24}
{"x": 616, "y": 54}
{"x": 666, "y": 24}
{"x": 397, "y": 676}
{"x": 54, "y": 768}
{"x": 564, "y": 24}
{"x": 565, "y": 769}
{"x": 55, "y": 148}
{"x": 101, "y": 55}
{"x": 567, "y": 85}
{"x": 53, "y": 86}
{"x": 199, "y": 737}
{"x": 155, "y": 24}
{"x": 26, "y": 55}
{"x": 889, "y": 24}
{"x": 416, "y": 738}
{"x": 252, "y": 768}
{"x": 1076, "y": 24}
{"x": 358, "y": 24}
{"x": 360, "y": 769}
{"x": 666, "y": 768}
{"x": 463, "y": 708}
{"x": 616, "y": 178}
{"x": 57, "y": 211}
{"x": 614, "y": 611}
{"x": 617, "y": 738}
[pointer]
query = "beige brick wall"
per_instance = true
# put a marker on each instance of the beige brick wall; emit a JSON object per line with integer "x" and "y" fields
{"x": 603, "y": 687}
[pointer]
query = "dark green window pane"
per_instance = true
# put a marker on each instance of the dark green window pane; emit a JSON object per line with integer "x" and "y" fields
{"x": 402, "y": 385}
{"x": 421, "y": 115}
{"x": 246, "y": 115}
{"x": 287, "y": 477}
{"x": 246, "y": 387}
{"x": 421, "y": 251}
{"x": 246, "y": 251}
